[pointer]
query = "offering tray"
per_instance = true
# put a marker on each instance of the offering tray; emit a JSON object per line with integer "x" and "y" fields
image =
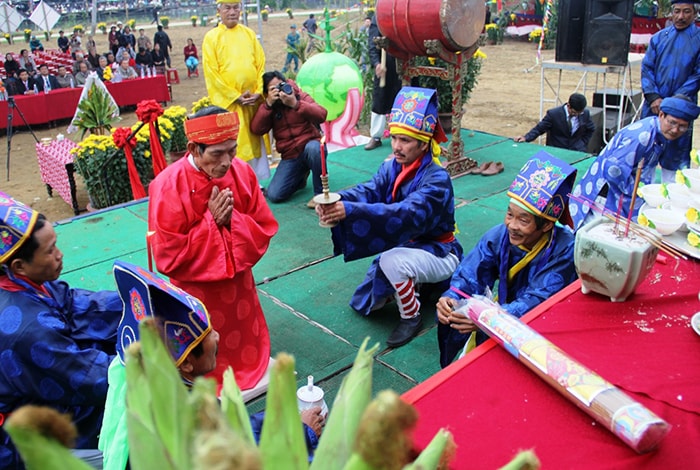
{"x": 679, "y": 241}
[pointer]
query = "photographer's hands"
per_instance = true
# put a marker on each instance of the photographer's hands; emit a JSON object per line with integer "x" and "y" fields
{"x": 275, "y": 95}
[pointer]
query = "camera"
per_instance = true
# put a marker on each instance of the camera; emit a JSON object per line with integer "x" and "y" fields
{"x": 285, "y": 88}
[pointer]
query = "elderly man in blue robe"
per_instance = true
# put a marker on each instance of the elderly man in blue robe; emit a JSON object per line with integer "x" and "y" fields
{"x": 609, "y": 182}
{"x": 530, "y": 254}
{"x": 55, "y": 342}
{"x": 405, "y": 214}
{"x": 671, "y": 66}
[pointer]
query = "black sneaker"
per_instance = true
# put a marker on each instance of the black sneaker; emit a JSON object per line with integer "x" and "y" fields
{"x": 404, "y": 331}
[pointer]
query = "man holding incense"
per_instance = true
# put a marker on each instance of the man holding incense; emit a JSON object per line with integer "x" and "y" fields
{"x": 211, "y": 225}
{"x": 530, "y": 254}
{"x": 639, "y": 147}
{"x": 405, "y": 214}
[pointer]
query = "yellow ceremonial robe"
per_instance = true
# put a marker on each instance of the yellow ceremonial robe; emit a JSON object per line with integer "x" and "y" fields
{"x": 234, "y": 61}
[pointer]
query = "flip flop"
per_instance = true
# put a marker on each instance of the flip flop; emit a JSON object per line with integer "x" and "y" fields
{"x": 493, "y": 169}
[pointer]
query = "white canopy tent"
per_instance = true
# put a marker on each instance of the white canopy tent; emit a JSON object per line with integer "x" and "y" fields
{"x": 44, "y": 16}
{"x": 10, "y": 18}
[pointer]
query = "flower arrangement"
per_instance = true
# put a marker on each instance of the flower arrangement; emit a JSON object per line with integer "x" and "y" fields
{"x": 8, "y": 38}
{"x": 536, "y": 34}
{"x": 194, "y": 19}
{"x": 78, "y": 29}
{"x": 265, "y": 14}
{"x": 107, "y": 74}
{"x": 131, "y": 23}
{"x": 289, "y": 13}
{"x": 202, "y": 103}
{"x": 165, "y": 21}
{"x": 143, "y": 144}
{"x": 96, "y": 113}
{"x": 494, "y": 33}
{"x": 693, "y": 239}
{"x": 27, "y": 34}
{"x": 102, "y": 26}
{"x": 177, "y": 115}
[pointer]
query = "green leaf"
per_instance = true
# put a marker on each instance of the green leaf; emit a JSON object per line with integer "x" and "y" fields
{"x": 355, "y": 393}
{"x": 234, "y": 409}
{"x": 282, "y": 442}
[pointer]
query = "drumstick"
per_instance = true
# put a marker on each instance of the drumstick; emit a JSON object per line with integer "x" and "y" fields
{"x": 382, "y": 63}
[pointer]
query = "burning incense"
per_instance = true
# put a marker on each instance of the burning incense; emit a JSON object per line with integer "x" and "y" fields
{"x": 634, "y": 194}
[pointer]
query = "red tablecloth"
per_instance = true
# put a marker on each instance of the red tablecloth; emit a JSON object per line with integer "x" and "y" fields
{"x": 495, "y": 406}
{"x": 61, "y": 104}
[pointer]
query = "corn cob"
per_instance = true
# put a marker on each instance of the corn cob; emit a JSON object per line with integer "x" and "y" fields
{"x": 234, "y": 409}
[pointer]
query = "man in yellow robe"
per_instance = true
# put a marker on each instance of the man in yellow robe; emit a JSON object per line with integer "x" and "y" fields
{"x": 234, "y": 61}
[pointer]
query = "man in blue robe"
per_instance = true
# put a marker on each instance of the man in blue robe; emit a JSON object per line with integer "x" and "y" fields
{"x": 55, "y": 342}
{"x": 530, "y": 255}
{"x": 609, "y": 181}
{"x": 405, "y": 214}
{"x": 671, "y": 66}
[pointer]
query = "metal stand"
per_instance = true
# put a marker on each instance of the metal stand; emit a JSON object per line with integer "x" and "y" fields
{"x": 456, "y": 69}
{"x": 326, "y": 198}
{"x": 11, "y": 106}
{"x": 623, "y": 84}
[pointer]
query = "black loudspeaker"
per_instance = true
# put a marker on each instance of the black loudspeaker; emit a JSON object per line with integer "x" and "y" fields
{"x": 572, "y": 16}
{"x": 606, "y": 35}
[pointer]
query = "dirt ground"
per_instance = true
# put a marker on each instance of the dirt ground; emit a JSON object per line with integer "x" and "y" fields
{"x": 505, "y": 102}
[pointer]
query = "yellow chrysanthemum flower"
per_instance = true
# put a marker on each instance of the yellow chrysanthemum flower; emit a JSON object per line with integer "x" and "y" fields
{"x": 692, "y": 215}
{"x": 694, "y": 157}
{"x": 643, "y": 221}
{"x": 693, "y": 239}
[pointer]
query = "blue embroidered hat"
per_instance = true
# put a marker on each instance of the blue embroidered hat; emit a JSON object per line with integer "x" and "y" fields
{"x": 680, "y": 108}
{"x": 543, "y": 186}
{"x": 16, "y": 224}
{"x": 415, "y": 113}
{"x": 182, "y": 319}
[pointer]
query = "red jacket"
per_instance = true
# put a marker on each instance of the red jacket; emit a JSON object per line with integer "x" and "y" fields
{"x": 291, "y": 128}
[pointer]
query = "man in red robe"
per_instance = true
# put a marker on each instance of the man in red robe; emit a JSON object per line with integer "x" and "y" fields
{"x": 209, "y": 225}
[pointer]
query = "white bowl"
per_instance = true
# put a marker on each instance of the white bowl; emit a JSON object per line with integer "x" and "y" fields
{"x": 692, "y": 175}
{"x": 664, "y": 221}
{"x": 679, "y": 194}
{"x": 653, "y": 194}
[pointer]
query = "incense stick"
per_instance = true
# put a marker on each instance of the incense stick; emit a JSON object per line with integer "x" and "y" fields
{"x": 634, "y": 194}
{"x": 644, "y": 232}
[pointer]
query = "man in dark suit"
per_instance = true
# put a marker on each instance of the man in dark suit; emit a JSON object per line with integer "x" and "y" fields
{"x": 44, "y": 81}
{"x": 568, "y": 126}
{"x": 22, "y": 85}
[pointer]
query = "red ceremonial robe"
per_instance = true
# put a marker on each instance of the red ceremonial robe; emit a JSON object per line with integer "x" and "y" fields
{"x": 215, "y": 263}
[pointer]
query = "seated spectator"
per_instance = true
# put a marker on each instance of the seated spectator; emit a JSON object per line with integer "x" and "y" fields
{"x": 35, "y": 44}
{"x": 127, "y": 55}
{"x": 294, "y": 119}
{"x": 529, "y": 255}
{"x": 11, "y": 66}
{"x": 63, "y": 42}
{"x": 191, "y": 58}
{"x": 45, "y": 81}
{"x": 79, "y": 58}
{"x": 24, "y": 84}
{"x": 143, "y": 41}
{"x": 111, "y": 60}
{"x": 126, "y": 49}
{"x": 126, "y": 71}
{"x": 93, "y": 58}
{"x": 144, "y": 62}
{"x": 568, "y": 126}
{"x": 101, "y": 66}
{"x": 57, "y": 342}
{"x": 82, "y": 75}
{"x": 194, "y": 354}
{"x": 65, "y": 79}
{"x": 158, "y": 59}
{"x": 26, "y": 62}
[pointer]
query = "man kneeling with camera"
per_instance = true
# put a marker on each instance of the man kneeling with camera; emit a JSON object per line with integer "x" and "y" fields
{"x": 294, "y": 118}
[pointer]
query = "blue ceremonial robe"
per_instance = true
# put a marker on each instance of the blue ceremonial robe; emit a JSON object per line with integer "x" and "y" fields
{"x": 55, "y": 351}
{"x": 616, "y": 167}
{"x": 671, "y": 66}
{"x": 546, "y": 274}
{"x": 422, "y": 213}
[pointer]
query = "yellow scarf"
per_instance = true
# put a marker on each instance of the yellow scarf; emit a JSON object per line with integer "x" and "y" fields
{"x": 539, "y": 246}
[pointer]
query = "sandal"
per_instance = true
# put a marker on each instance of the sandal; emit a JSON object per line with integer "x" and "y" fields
{"x": 494, "y": 168}
{"x": 478, "y": 170}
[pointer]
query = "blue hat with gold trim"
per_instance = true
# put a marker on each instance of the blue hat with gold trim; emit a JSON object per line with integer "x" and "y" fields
{"x": 16, "y": 225}
{"x": 543, "y": 186}
{"x": 182, "y": 319}
{"x": 415, "y": 113}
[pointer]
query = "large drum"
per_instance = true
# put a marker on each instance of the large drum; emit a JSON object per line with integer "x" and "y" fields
{"x": 457, "y": 24}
